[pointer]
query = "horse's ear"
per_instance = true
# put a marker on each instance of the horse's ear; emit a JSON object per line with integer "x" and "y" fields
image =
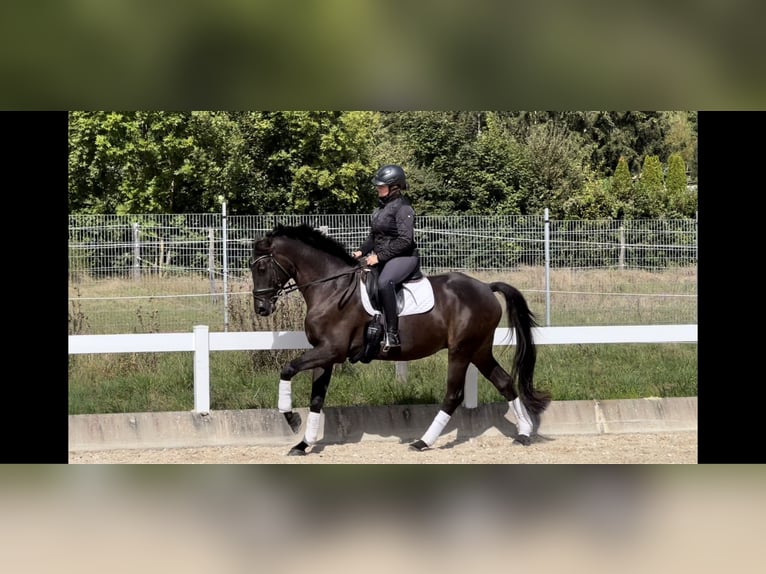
{"x": 261, "y": 244}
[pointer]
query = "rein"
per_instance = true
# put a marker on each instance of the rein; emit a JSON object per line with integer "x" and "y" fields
{"x": 290, "y": 288}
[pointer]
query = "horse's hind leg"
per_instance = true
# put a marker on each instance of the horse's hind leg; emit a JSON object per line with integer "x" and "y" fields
{"x": 503, "y": 382}
{"x": 456, "y": 370}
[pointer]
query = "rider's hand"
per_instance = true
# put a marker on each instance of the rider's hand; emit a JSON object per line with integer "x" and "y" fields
{"x": 372, "y": 259}
{"x": 356, "y": 254}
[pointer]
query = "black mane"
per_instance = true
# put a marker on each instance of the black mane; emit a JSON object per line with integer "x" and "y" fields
{"x": 314, "y": 238}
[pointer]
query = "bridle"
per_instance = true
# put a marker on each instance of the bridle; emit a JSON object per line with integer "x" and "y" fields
{"x": 280, "y": 287}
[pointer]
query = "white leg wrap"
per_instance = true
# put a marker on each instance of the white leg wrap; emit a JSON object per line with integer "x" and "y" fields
{"x": 312, "y": 428}
{"x": 285, "y": 402}
{"x": 523, "y": 422}
{"x": 440, "y": 421}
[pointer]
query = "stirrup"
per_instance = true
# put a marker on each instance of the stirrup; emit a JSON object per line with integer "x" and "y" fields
{"x": 391, "y": 340}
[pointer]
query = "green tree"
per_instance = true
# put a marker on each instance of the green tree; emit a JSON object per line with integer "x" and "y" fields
{"x": 321, "y": 161}
{"x": 595, "y": 199}
{"x": 168, "y": 162}
{"x": 681, "y": 138}
{"x": 557, "y": 159}
{"x": 678, "y": 199}
{"x": 494, "y": 170}
{"x": 213, "y": 164}
{"x": 622, "y": 190}
{"x": 95, "y": 161}
{"x": 440, "y": 159}
{"x": 149, "y": 162}
{"x": 651, "y": 189}
{"x": 628, "y": 134}
{"x": 313, "y": 161}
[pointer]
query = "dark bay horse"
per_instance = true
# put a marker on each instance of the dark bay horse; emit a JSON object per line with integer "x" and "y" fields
{"x": 463, "y": 320}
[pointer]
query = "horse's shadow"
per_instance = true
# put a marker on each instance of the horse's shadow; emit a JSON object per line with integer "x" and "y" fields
{"x": 408, "y": 423}
{"x": 475, "y": 423}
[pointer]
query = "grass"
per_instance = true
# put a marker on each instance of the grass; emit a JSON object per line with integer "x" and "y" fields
{"x": 116, "y": 383}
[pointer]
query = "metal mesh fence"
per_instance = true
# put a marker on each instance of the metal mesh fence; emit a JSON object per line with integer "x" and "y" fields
{"x": 167, "y": 273}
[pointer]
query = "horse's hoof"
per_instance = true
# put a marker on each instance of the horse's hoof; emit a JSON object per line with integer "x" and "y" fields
{"x": 522, "y": 439}
{"x": 418, "y": 445}
{"x": 299, "y": 449}
{"x": 294, "y": 420}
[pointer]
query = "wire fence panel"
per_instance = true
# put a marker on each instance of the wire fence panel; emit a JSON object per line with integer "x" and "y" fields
{"x": 167, "y": 273}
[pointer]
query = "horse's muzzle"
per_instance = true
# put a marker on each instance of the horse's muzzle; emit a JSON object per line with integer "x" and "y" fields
{"x": 264, "y": 307}
{"x": 264, "y": 310}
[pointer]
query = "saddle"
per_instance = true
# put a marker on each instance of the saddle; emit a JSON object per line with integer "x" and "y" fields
{"x": 414, "y": 295}
{"x": 370, "y": 279}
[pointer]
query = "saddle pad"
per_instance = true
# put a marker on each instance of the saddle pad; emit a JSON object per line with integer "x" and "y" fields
{"x": 418, "y": 297}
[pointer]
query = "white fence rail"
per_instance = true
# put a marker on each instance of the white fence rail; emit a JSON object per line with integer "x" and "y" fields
{"x": 201, "y": 342}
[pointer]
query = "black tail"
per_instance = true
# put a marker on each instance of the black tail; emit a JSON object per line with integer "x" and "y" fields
{"x": 521, "y": 318}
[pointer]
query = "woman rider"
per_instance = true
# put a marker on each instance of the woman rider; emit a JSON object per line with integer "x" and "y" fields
{"x": 391, "y": 244}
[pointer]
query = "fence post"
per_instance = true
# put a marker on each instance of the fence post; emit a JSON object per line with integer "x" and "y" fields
{"x": 201, "y": 369}
{"x": 471, "y": 396}
{"x": 547, "y": 241}
{"x": 211, "y": 261}
{"x": 224, "y": 240}
{"x": 401, "y": 371}
{"x": 136, "y": 253}
{"x": 621, "y": 256}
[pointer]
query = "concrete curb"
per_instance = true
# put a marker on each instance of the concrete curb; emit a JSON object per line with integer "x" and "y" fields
{"x": 401, "y": 423}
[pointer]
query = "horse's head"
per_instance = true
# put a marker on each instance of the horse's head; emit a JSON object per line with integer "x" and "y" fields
{"x": 269, "y": 276}
{"x": 287, "y": 252}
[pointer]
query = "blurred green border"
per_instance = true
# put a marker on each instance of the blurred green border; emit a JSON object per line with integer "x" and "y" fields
{"x": 344, "y": 54}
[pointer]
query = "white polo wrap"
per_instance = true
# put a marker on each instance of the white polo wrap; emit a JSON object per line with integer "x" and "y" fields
{"x": 440, "y": 421}
{"x": 312, "y": 428}
{"x": 285, "y": 401}
{"x": 523, "y": 422}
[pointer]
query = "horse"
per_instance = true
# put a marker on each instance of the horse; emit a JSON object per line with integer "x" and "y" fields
{"x": 462, "y": 319}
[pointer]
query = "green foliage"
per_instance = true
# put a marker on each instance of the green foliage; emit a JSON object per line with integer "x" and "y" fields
{"x": 630, "y": 135}
{"x": 320, "y": 162}
{"x": 622, "y": 190}
{"x": 557, "y": 159}
{"x": 314, "y": 162}
{"x": 651, "y": 189}
{"x": 495, "y": 171}
{"x": 595, "y": 200}
{"x": 679, "y": 201}
{"x": 681, "y": 138}
{"x": 149, "y": 162}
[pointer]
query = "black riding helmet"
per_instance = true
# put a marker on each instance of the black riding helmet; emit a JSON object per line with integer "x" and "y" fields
{"x": 390, "y": 175}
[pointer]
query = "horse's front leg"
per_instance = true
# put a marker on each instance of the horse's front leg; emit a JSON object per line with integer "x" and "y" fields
{"x": 311, "y": 359}
{"x": 318, "y": 394}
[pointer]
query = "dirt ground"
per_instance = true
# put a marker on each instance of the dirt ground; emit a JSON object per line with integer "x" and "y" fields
{"x": 635, "y": 448}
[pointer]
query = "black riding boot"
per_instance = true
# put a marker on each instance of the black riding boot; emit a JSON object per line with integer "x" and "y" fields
{"x": 388, "y": 304}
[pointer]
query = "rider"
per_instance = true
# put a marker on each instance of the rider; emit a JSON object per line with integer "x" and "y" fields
{"x": 391, "y": 243}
